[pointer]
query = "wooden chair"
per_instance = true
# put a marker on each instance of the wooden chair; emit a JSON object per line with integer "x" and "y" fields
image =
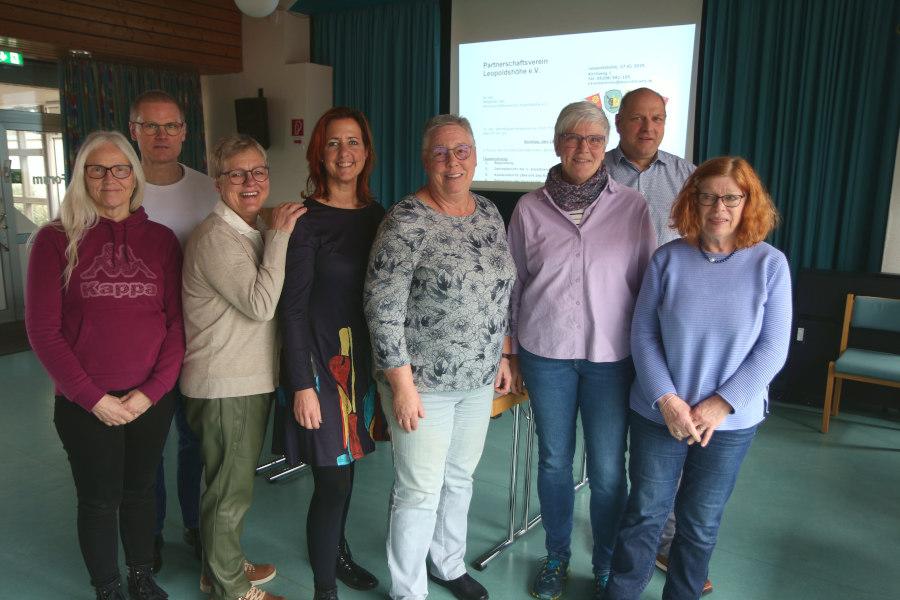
{"x": 869, "y": 366}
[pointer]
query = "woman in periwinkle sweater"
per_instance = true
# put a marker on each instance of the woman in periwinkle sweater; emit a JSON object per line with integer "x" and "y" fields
{"x": 711, "y": 329}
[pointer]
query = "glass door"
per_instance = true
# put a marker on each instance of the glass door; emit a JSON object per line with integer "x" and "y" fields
{"x": 32, "y": 183}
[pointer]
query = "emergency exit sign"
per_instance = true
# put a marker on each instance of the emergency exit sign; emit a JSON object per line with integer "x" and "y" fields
{"x": 10, "y": 58}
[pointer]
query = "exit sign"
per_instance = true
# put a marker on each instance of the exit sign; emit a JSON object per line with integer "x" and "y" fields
{"x": 10, "y": 58}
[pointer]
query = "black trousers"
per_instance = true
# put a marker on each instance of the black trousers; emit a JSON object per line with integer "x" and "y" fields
{"x": 327, "y": 520}
{"x": 115, "y": 475}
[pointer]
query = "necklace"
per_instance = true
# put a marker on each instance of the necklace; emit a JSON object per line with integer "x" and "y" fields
{"x": 715, "y": 261}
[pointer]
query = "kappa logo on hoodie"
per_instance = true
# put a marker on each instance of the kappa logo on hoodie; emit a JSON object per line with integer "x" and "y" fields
{"x": 114, "y": 264}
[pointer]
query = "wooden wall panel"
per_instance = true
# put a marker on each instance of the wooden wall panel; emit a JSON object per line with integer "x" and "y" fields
{"x": 197, "y": 34}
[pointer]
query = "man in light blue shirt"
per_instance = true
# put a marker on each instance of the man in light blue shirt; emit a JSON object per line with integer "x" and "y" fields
{"x": 639, "y": 163}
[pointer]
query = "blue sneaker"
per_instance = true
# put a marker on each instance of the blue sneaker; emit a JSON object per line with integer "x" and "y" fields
{"x": 551, "y": 579}
{"x": 600, "y": 582}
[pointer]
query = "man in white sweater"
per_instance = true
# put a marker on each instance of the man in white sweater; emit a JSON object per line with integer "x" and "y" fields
{"x": 180, "y": 198}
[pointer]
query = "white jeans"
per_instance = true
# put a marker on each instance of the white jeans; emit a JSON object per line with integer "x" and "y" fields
{"x": 433, "y": 468}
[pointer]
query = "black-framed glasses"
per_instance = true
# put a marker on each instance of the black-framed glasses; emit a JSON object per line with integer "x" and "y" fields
{"x": 573, "y": 140}
{"x": 239, "y": 176}
{"x": 152, "y": 128}
{"x": 729, "y": 200}
{"x": 99, "y": 171}
{"x": 442, "y": 153}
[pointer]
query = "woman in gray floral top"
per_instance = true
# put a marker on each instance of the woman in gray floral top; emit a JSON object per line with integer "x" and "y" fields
{"x": 437, "y": 294}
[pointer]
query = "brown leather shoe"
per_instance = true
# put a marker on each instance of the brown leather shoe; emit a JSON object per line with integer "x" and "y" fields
{"x": 256, "y": 574}
{"x": 662, "y": 563}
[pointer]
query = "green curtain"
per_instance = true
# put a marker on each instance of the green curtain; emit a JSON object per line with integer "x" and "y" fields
{"x": 809, "y": 92}
{"x": 386, "y": 62}
{"x": 97, "y": 95}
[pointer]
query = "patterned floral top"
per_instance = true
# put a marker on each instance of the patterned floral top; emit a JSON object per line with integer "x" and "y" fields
{"x": 437, "y": 294}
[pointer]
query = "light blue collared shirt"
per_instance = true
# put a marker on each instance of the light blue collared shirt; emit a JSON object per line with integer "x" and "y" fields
{"x": 659, "y": 183}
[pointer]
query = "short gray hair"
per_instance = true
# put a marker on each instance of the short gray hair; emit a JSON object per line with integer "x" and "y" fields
{"x": 228, "y": 147}
{"x": 579, "y": 112}
{"x": 436, "y": 122}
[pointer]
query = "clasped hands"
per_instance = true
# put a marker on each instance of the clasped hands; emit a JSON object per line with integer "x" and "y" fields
{"x": 113, "y": 410}
{"x": 697, "y": 423}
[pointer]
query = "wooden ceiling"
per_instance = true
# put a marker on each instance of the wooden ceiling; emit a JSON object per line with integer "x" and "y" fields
{"x": 203, "y": 35}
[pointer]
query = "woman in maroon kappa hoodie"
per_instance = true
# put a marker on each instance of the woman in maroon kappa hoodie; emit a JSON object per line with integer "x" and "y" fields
{"x": 103, "y": 312}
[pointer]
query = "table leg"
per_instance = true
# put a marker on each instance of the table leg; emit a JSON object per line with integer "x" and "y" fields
{"x": 482, "y": 561}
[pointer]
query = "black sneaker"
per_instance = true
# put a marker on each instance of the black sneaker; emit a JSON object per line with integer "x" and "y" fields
{"x": 352, "y": 574}
{"x": 110, "y": 591}
{"x": 141, "y": 585}
{"x": 463, "y": 587}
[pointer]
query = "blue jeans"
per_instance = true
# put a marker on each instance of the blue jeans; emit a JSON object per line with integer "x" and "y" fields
{"x": 559, "y": 390}
{"x": 190, "y": 468}
{"x": 707, "y": 475}
{"x": 433, "y": 468}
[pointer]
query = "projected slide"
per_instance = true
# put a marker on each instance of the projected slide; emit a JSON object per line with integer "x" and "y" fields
{"x": 513, "y": 90}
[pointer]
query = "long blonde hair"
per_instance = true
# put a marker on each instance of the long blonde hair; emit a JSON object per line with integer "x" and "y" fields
{"x": 78, "y": 212}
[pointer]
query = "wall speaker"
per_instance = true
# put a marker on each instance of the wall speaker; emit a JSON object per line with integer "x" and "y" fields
{"x": 252, "y": 116}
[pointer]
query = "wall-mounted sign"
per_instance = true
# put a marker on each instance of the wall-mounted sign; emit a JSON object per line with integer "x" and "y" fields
{"x": 10, "y": 58}
{"x": 297, "y": 130}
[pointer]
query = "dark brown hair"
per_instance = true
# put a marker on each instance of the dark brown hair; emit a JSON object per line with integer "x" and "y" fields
{"x": 317, "y": 182}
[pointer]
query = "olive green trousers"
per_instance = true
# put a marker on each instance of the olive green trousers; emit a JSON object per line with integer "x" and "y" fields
{"x": 231, "y": 432}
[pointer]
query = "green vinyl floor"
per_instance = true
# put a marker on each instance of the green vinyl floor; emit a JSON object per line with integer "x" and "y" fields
{"x": 813, "y": 517}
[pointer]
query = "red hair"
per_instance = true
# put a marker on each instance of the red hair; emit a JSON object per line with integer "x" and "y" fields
{"x": 317, "y": 182}
{"x": 758, "y": 218}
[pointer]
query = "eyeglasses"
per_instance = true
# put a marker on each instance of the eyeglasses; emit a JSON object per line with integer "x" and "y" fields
{"x": 152, "y": 128}
{"x": 573, "y": 140}
{"x": 442, "y": 153}
{"x": 99, "y": 171}
{"x": 239, "y": 176}
{"x": 729, "y": 200}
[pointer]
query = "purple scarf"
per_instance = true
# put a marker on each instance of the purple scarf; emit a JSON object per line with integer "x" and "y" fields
{"x": 571, "y": 197}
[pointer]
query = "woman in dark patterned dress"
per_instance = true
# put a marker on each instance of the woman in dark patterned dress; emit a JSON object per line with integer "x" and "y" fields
{"x": 327, "y": 354}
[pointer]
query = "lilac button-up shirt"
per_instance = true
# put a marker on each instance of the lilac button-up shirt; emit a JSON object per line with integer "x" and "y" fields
{"x": 576, "y": 286}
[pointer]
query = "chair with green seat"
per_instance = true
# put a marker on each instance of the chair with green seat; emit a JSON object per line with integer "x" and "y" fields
{"x": 869, "y": 366}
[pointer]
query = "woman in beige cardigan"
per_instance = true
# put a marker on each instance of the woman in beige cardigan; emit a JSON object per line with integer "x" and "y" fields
{"x": 232, "y": 278}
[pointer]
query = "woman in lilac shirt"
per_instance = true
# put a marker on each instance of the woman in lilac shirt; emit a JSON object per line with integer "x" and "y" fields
{"x": 580, "y": 244}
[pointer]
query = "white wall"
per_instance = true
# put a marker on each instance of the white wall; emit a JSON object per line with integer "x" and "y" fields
{"x": 891, "y": 259}
{"x": 275, "y": 58}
